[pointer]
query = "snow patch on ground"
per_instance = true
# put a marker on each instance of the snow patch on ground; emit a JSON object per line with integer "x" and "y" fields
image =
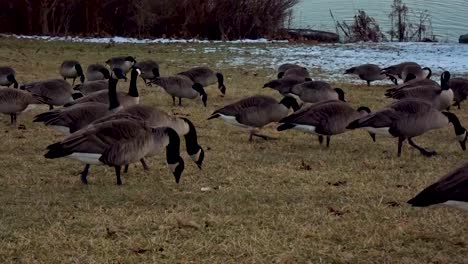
{"x": 329, "y": 61}
{"x": 140, "y": 41}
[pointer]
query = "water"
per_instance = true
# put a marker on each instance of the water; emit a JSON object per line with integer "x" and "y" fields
{"x": 449, "y": 18}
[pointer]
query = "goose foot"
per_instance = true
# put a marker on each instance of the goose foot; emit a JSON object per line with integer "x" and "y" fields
{"x": 424, "y": 152}
{"x": 117, "y": 174}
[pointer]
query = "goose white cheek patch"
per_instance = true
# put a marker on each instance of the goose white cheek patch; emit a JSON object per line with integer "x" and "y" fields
{"x": 461, "y": 137}
{"x": 139, "y": 71}
{"x": 195, "y": 157}
{"x": 173, "y": 167}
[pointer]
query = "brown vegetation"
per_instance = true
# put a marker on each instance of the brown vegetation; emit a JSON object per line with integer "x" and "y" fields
{"x": 212, "y": 19}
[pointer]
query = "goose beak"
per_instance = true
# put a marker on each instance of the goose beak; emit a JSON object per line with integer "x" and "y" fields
{"x": 372, "y": 135}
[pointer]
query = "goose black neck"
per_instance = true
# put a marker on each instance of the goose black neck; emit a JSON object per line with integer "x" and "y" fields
{"x": 133, "y": 90}
{"x": 429, "y": 75}
{"x": 444, "y": 81}
{"x": 452, "y": 118}
{"x": 191, "y": 141}
{"x": 79, "y": 70}
{"x": 11, "y": 78}
{"x": 173, "y": 148}
{"x": 113, "y": 99}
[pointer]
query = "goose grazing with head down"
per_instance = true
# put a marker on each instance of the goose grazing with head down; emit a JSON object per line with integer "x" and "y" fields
{"x": 440, "y": 97}
{"x": 206, "y": 77}
{"x": 316, "y": 91}
{"x": 125, "y": 99}
{"x": 58, "y": 92}
{"x": 149, "y": 70}
{"x": 125, "y": 63}
{"x": 71, "y": 119}
{"x": 459, "y": 87}
{"x": 407, "y": 119}
{"x": 283, "y": 68}
{"x": 90, "y": 87}
{"x": 255, "y": 112}
{"x": 369, "y": 73}
{"x": 14, "y": 101}
{"x": 411, "y": 72}
{"x": 94, "y": 72}
{"x": 450, "y": 190}
{"x": 324, "y": 119}
{"x": 118, "y": 143}
{"x": 181, "y": 86}
{"x": 284, "y": 85}
{"x": 157, "y": 118}
{"x": 71, "y": 69}
{"x": 397, "y": 69}
{"x": 8, "y": 77}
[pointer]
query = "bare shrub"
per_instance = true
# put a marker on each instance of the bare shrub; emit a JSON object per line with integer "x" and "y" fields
{"x": 362, "y": 28}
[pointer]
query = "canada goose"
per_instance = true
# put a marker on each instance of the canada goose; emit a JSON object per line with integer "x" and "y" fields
{"x": 407, "y": 119}
{"x": 8, "y": 77}
{"x": 324, "y": 119}
{"x": 57, "y": 91}
{"x": 440, "y": 97}
{"x": 154, "y": 117}
{"x": 411, "y": 72}
{"x": 369, "y": 73}
{"x": 255, "y": 112}
{"x": 118, "y": 143}
{"x": 397, "y": 69}
{"x": 95, "y": 72}
{"x": 181, "y": 86}
{"x": 71, "y": 69}
{"x": 316, "y": 91}
{"x": 284, "y": 85}
{"x": 149, "y": 70}
{"x": 124, "y": 63}
{"x": 450, "y": 190}
{"x": 71, "y": 119}
{"x": 297, "y": 72}
{"x": 459, "y": 87}
{"x": 206, "y": 77}
{"x": 14, "y": 101}
{"x": 89, "y": 87}
{"x": 284, "y": 67}
{"x": 125, "y": 99}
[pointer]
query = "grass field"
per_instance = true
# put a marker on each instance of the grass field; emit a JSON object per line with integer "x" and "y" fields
{"x": 282, "y": 201}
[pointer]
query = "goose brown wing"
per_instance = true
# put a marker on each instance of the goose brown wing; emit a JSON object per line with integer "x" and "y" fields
{"x": 424, "y": 92}
{"x": 97, "y": 138}
{"x": 239, "y": 106}
{"x": 453, "y": 186}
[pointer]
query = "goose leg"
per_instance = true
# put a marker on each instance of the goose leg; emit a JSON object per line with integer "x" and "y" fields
{"x": 400, "y": 145}
{"x": 74, "y": 79}
{"x": 320, "y": 139}
{"x": 145, "y": 166}
{"x": 117, "y": 174}
{"x": 126, "y": 169}
{"x": 12, "y": 120}
{"x": 84, "y": 174}
{"x": 328, "y": 141}
{"x": 423, "y": 151}
{"x": 368, "y": 83}
{"x": 51, "y": 107}
{"x": 173, "y": 100}
{"x": 180, "y": 101}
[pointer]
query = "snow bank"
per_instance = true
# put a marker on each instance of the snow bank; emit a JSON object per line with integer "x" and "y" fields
{"x": 140, "y": 41}
{"x": 329, "y": 61}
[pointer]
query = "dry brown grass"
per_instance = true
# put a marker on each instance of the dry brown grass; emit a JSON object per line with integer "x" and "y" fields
{"x": 271, "y": 201}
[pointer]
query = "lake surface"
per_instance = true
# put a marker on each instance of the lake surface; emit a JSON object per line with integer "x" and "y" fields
{"x": 449, "y": 18}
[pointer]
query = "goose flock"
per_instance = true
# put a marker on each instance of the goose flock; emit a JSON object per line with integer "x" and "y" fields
{"x": 102, "y": 126}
